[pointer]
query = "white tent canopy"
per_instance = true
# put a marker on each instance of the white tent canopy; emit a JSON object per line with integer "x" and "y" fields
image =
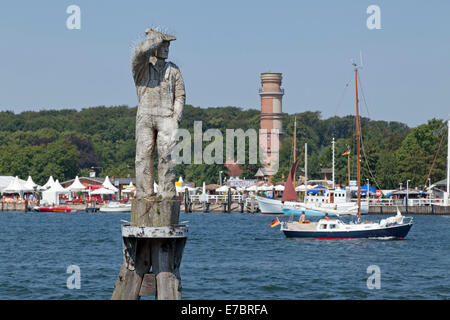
{"x": 76, "y": 186}
{"x": 108, "y": 185}
{"x": 102, "y": 191}
{"x": 49, "y": 183}
{"x": 265, "y": 188}
{"x": 223, "y": 189}
{"x": 279, "y": 187}
{"x": 128, "y": 190}
{"x": 16, "y": 187}
{"x": 30, "y": 184}
{"x": 57, "y": 187}
{"x": 131, "y": 188}
{"x": 302, "y": 188}
{"x": 182, "y": 189}
{"x": 51, "y": 196}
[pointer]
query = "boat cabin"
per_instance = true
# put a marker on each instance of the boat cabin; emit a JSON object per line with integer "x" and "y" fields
{"x": 332, "y": 224}
{"x": 327, "y": 196}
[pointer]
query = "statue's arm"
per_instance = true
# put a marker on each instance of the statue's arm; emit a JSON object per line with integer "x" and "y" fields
{"x": 141, "y": 56}
{"x": 180, "y": 96}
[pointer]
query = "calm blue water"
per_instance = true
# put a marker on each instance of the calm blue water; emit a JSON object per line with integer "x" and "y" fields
{"x": 227, "y": 256}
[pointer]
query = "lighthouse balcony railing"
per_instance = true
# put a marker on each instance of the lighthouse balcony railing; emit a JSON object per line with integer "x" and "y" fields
{"x": 261, "y": 91}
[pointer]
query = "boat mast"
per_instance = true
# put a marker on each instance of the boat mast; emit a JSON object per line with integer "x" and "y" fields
{"x": 333, "y": 163}
{"x": 448, "y": 160}
{"x": 295, "y": 145}
{"x": 348, "y": 166}
{"x": 306, "y": 166}
{"x": 357, "y": 142}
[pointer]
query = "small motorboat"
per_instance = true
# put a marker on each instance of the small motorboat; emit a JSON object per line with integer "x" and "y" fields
{"x": 54, "y": 209}
{"x": 396, "y": 227}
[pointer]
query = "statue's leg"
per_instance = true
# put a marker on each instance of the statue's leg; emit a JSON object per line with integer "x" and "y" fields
{"x": 166, "y": 140}
{"x": 145, "y": 147}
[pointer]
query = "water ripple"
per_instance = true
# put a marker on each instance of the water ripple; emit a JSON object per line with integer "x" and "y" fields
{"x": 227, "y": 256}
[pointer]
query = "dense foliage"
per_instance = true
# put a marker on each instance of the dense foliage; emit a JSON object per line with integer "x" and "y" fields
{"x": 65, "y": 143}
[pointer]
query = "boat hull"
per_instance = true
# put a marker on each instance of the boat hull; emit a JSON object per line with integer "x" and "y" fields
{"x": 114, "y": 210}
{"x": 54, "y": 209}
{"x": 272, "y": 206}
{"x": 269, "y": 206}
{"x": 397, "y": 232}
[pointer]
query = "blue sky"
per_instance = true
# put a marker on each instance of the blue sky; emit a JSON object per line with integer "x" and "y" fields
{"x": 222, "y": 48}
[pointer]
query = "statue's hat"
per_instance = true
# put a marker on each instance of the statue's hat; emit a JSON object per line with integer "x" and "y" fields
{"x": 152, "y": 33}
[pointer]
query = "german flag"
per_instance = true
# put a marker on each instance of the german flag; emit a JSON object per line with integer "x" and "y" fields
{"x": 274, "y": 222}
{"x": 346, "y": 152}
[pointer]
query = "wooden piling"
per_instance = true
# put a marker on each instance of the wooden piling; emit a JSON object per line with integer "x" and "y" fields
{"x": 229, "y": 200}
{"x": 153, "y": 246}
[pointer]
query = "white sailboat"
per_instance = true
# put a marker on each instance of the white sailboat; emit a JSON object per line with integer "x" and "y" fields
{"x": 392, "y": 227}
{"x": 332, "y": 199}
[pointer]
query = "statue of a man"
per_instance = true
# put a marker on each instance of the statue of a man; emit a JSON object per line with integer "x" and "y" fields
{"x": 161, "y": 95}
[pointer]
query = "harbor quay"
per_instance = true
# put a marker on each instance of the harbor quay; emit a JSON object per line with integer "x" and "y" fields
{"x": 423, "y": 210}
{"x": 238, "y": 204}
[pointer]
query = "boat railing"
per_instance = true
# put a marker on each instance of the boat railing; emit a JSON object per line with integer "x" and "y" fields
{"x": 402, "y": 202}
{"x": 408, "y": 220}
{"x": 216, "y": 198}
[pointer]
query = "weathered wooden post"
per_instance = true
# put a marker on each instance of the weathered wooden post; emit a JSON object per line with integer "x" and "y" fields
{"x": 229, "y": 200}
{"x": 153, "y": 242}
{"x": 153, "y": 245}
{"x": 186, "y": 200}
{"x": 252, "y": 205}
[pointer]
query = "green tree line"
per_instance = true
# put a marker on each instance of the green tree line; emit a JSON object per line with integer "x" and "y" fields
{"x": 69, "y": 142}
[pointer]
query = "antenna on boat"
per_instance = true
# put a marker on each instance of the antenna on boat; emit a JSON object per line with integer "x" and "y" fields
{"x": 361, "y": 59}
{"x": 360, "y": 65}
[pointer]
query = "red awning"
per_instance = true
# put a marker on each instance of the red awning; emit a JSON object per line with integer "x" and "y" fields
{"x": 95, "y": 186}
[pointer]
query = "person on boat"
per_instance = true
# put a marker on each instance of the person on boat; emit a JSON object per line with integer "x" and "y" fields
{"x": 302, "y": 217}
{"x": 327, "y": 217}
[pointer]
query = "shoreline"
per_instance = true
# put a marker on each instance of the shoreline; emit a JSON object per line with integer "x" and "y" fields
{"x": 432, "y": 210}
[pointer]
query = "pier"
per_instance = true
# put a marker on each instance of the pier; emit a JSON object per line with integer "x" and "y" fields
{"x": 425, "y": 210}
{"x": 225, "y": 203}
{"x": 248, "y": 204}
{"x": 412, "y": 206}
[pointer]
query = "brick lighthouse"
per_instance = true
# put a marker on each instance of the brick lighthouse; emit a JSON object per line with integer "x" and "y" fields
{"x": 271, "y": 118}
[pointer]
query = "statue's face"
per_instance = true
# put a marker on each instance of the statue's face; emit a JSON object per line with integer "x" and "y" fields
{"x": 163, "y": 50}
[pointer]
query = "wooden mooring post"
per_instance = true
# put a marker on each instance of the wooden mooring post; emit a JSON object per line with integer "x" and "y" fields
{"x": 153, "y": 246}
{"x": 229, "y": 200}
{"x": 187, "y": 201}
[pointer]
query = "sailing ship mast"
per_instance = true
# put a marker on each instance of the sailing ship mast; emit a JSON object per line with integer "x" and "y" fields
{"x": 448, "y": 159}
{"x": 333, "y": 164}
{"x": 357, "y": 142}
{"x": 295, "y": 145}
